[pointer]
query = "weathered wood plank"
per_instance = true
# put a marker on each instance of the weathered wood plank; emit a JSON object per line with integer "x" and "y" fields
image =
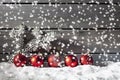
{"x": 70, "y": 1}
{"x": 60, "y": 16}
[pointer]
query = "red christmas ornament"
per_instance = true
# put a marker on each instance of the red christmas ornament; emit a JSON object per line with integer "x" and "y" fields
{"x": 86, "y": 59}
{"x": 37, "y": 61}
{"x": 71, "y": 60}
{"x": 20, "y": 60}
{"x": 54, "y": 60}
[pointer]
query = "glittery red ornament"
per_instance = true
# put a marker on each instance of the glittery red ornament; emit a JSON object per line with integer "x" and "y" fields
{"x": 54, "y": 60}
{"x": 37, "y": 61}
{"x": 86, "y": 59}
{"x": 20, "y": 60}
{"x": 71, "y": 60}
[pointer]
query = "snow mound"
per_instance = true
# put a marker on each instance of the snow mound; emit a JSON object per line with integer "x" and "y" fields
{"x": 87, "y": 72}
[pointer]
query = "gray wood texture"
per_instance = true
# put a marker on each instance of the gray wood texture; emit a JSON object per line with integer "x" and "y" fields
{"x": 66, "y": 16}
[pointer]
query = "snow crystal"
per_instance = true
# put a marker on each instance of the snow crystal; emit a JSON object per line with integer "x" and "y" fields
{"x": 17, "y": 36}
{"x": 42, "y": 39}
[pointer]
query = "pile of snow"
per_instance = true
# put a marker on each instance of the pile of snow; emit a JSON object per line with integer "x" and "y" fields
{"x": 9, "y": 72}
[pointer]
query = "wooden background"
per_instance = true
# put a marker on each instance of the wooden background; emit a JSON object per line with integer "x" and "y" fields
{"x": 49, "y": 13}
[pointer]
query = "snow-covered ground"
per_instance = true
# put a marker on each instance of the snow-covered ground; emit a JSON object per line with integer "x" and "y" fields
{"x": 9, "y": 72}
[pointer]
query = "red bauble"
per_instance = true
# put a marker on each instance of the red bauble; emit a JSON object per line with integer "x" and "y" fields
{"x": 71, "y": 60}
{"x": 54, "y": 60}
{"x": 37, "y": 61}
{"x": 20, "y": 60}
{"x": 86, "y": 59}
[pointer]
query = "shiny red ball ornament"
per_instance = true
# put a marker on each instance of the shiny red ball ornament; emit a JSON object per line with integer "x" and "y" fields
{"x": 37, "y": 61}
{"x": 71, "y": 61}
{"x": 86, "y": 59}
{"x": 54, "y": 60}
{"x": 20, "y": 60}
